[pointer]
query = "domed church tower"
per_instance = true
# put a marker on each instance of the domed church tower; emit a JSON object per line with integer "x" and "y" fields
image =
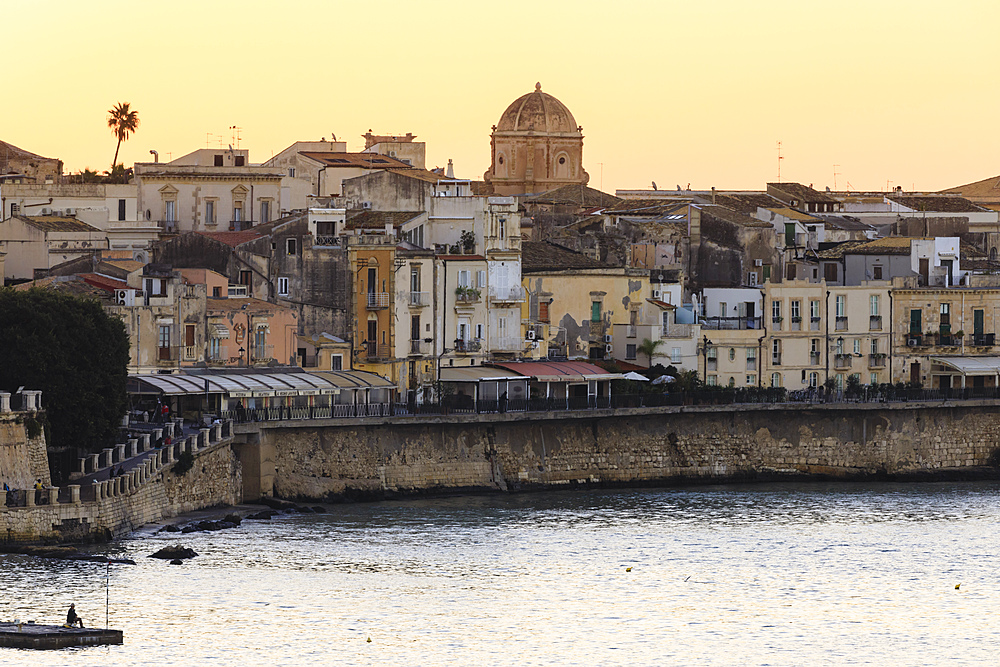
{"x": 537, "y": 146}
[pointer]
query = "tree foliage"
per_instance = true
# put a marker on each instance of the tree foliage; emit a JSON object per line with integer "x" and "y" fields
{"x": 76, "y": 354}
{"x": 122, "y": 121}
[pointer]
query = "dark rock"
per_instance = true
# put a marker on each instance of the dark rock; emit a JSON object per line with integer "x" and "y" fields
{"x": 263, "y": 515}
{"x": 177, "y": 561}
{"x": 172, "y": 553}
{"x": 189, "y": 529}
{"x": 233, "y": 519}
{"x": 276, "y": 503}
{"x": 301, "y": 509}
{"x": 170, "y": 529}
{"x": 319, "y": 509}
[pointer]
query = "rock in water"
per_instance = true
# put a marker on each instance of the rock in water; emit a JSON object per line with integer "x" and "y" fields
{"x": 174, "y": 553}
{"x": 177, "y": 561}
{"x": 263, "y": 515}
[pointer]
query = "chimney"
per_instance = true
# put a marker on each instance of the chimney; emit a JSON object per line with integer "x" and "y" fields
{"x": 450, "y": 171}
{"x": 713, "y": 194}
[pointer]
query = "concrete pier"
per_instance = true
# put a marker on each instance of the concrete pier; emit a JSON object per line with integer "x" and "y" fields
{"x": 30, "y": 635}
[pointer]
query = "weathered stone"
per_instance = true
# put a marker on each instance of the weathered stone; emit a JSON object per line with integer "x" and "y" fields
{"x": 174, "y": 552}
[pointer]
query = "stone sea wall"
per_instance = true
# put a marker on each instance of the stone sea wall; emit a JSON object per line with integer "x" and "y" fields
{"x": 23, "y": 460}
{"x": 334, "y": 461}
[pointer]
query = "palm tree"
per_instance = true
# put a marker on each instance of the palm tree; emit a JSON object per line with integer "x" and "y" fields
{"x": 648, "y": 348}
{"x": 122, "y": 121}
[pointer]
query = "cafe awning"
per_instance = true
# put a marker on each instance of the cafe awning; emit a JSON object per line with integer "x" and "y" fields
{"x": 970, "y": 365}
{"x": 558, "y": 371}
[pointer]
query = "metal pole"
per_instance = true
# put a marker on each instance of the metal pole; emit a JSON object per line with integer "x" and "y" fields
{"x": 107, "y": 595}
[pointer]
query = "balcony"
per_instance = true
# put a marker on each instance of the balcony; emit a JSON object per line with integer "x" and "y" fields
{"x": 915, "y": 340}
{"x": 378, "y": 300}
{"x": 513, "y": 294}
{"x": 506, "y": 344}
{"x": 814, "y": 358}
{"x": 796, "y": 323}
{"x": 841, "y": 323}
{"x": 876, "y": 360}
{"x": 260, "y": 354}
{"x": 467, "y": 346}
{"x": 166, "y": 354}
{"x": 597, "y": 330}
{"x": 730, "y": 323}
{"x": 420, "y": 347}
{"x": 220, "y": 356}
{"x": 752, "y": 364}
{"x": 190, "y": 353}
{"x": 814, "y": 324}
{"x": 631, "y": 331}
{"x": 712, "y": 364}
{"x": 326, "y": 241}
{"x": 676, "y": 331}
{"x": 875, "y": 323}
{"x": 419, "y": 299}
{"x": 984, "y": 340}
{"x": 167, "y": 226}
{"x": 374, "y": 352}
{"x": 843, "y": 360}
{"x": 466, "y": 295}
{"x": 775, "y": 359}
{"x": 948, "y": 340}
{"x": 776, "y": 323}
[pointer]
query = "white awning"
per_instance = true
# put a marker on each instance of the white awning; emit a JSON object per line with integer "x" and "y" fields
{"x": 220, "y": 331}
{"x": 970, "y": 365}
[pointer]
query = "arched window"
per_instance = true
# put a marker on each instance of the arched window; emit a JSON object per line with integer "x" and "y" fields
{"x": 993, "y": 253}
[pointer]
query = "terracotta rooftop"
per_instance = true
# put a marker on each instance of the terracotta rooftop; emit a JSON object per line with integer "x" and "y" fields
{"x": 744, "y": 202}
{"x": 988, "y": 188}
{"x": 803, "y": 193}
{"x": 937, "y": 203}
{"x": 364, "y": 160}
{"x": 379, "y": 219}
{"x": 844, "y": 222}
{"x": 889, "y": 245}
{"x": 128, "y": 265}
{"x": 792, "y": 214}
{"x": 539, "y": 256}
{"x": 423, "y": 175}
{"x": 643, "y": 207}
{"x": 574, "y": 195}
{"x": 67, "y": 284}
{"x": 56, "y": 223}
{"x": 103, "y": 282}
{"x": 232, "y": 239}
{"x": 731, "y": 216}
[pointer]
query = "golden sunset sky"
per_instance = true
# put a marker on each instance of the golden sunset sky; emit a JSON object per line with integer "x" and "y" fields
{"x": 895, "y": 93}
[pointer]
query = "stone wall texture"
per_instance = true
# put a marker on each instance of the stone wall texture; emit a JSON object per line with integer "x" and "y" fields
{"x": 22, "y": 459}
{"x": 344, "y": 461}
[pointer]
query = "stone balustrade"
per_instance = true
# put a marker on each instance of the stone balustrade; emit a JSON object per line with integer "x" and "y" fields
{"x": 4, "y": 402}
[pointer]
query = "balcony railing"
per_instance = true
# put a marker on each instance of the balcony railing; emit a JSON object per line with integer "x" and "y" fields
{"x": 915, "y": 340}
{"x": 948, "y": 340}
{"x": 631, "y": 331}
{"x": 814, "y": 358}
{"x": 875, "y": 322}
{"x": 676, "y": 331}
{"x": 420, "y": 347}
{"x": 842, "y": 360}
{"x": 419, "y": 299}
{"x": 190, "y": 353}
{"x": 984, "y": 340}
{"x": 325, "y": 241}
{"x": 712, "y": 364}
{"x": 467, "y": 346}
{"x": 876, "y": 360}
{"x": 814, "y": 324}
{"x": 506, "y": 344}
{"x": 260, "y": 353}
{"x": 841, "y": 323}
{"x": 378, "y": 300}
{"x": 168, "y": 226}
{"x": 375, "y": 352}
{"x": 752, "y": 364}
{"x": 467, "y": 295}
{"x": 219, "y": 357}
{"x": 166, "y": 354}
{"x": 514, "y": 294}
{"x": 731, "y": 323}
{"x": 775, "y": 359}
{"x": 796, "y": 323}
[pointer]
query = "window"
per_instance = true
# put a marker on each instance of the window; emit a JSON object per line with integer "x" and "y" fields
{"x": 874, "y": 345}
{"x": 260, "y": 343}
{"x": 282, "y": 286}
{"x": 751, "y": 379}
{"x": 722, "y": 309}
{"x": 465, "y": 279}
{"x": 675, "y": 355}
{"x": 215, "y": 349}
{"x": 414, "y": 279}
{"x": 595, "y": 311}
{"x": 814, "y": 310}
{"x": 732, "y": 354}
{"x": 481, "y": 279}
{"x": 796, "y": 311}
{"x": 463, "y": 331}
{"x": 216, "y": 292}
{"x": 218, "y": 161}
{"x": 121, "y": 209}
{"x": 164, "y": 336}
{"x": 291, "y": 172}
{"x": 239, "y": 160}
{"x": 170, "y": 211}
{"x": 479, "y": 332}
{"x": 289, "y": 246}
{"x": 830, "y": 272}
{"x": 876, "y": 274}
{"x": 915, "y": 321}
{"x": 189, "y": 334}
{"x": 840, "y": 346}
{"x": 336, "y": 362}
{"x": 873, "y": 379}
{"x": 210, "y": 213}
{"x": 238, "y": 212}
{"x": 776, "y": 352}
{"x": 873, "y": 305}
{"x": 814, "y": 379}
{"x": 265, "y": 211}
{"x": 814, "y": 345}
{"x": 857, "y": 346}
{"x": 712, "y": 380}
{"x": 751, "y": 354}
{"x": 630, "y": 351}
{"x": 840, "y": 303}
{"x": 776, "y": 311}
{"x": 775, "y": 379}
{"x": 665, "y": 318}
{"x": 245, "y": 278}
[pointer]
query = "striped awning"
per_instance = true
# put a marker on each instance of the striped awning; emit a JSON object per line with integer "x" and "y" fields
{"x": 220, "y": 331}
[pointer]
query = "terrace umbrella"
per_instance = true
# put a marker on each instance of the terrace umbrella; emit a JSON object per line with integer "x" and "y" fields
{"x": 632, "y": 375}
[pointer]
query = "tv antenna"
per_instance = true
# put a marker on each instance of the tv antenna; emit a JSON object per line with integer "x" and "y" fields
{"x": 835, "y": 174}
{"x": 779, "y": 161}
{"x": 235, "y": 130}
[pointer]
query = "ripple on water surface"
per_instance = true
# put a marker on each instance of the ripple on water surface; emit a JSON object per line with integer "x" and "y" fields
{"x": 738, "y": 575}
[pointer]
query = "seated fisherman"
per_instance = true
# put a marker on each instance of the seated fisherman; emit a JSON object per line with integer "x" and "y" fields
{"x": 71, "y": 617}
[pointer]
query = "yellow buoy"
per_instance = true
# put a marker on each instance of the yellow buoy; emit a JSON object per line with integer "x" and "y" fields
{"x": 628, "y": 569}
{"x": 956, "y": 586}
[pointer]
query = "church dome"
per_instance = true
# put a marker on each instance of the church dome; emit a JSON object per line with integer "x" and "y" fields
{"x": 537, "y": 112}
